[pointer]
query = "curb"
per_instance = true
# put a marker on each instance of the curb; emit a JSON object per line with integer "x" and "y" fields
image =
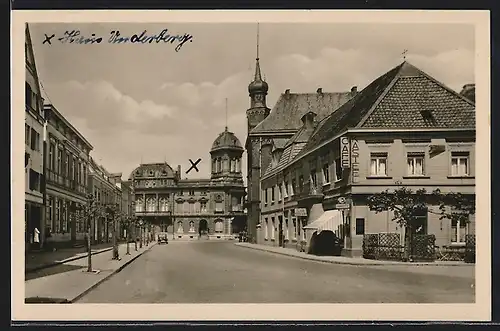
{"x": 53, "y": 264}
{"x": 369, "y": 264}
{"x": 100, "y": 281}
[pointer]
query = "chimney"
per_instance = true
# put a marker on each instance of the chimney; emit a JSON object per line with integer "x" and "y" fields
{"x": 354, "y": 89}
{"x": 319, "y": 90}
{"x": 179, "y": 169}
{"x": 287, "y": 91}
{"x": 308, "y": 120}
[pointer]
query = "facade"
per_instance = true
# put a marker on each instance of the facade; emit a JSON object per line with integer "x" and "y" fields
{"x": 103, "y": 186}
{"x": 269, "y": 131}
{"x": 66, "y": 167}
{"x": 193, "y": 208}
{"x": 33, "y": 157}
{"x": 405, "y": 127}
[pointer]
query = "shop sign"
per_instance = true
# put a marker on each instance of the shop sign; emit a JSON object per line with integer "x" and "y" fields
{"x": 345, "y": 152}
{"x": 300, "y": 212}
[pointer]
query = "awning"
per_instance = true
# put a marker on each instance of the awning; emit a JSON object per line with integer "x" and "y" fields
{"x": 330, "y": 220}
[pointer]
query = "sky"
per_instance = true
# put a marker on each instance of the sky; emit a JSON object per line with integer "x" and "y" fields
{"x": 150, "y": 103}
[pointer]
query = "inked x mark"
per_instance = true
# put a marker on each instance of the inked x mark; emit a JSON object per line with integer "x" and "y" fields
{"x": 47, "y": 39}
{"x": 193, "y": 165}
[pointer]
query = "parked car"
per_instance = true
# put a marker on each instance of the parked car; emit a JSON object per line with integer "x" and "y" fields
{"x": 162, "y": 238}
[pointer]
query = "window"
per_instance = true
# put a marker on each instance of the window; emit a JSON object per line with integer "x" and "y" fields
{"x": 191, "y": 226}
{"x": 203, "y": 206}
{"x": 59, "y": 161}
{"x": 180, "y": 228}
{"x": 272, "y": 194}
{"x": 203, "y": 193}
{"x": 34, "y": 181}
{"x": 50, "y": 211}
{"x": 326, "y": 173}
{"x": 28, "y": 95}
{"x": 459, "y": 164}
{"x": 214, "y": 165}
{"x": 293, "y": 187}
{"x": 415, "y": 163}
{"x": 280, "y": 190}
{"x": 314, "y": 180}
{"x": 150, "y": 205}
{"x": 301, "y": 183}
{"x": 35, "y": 140}
{"x": 285, "y": 193}
{"x": 191, "y": 207}
{"x": 266, "y": 229}
{"x": 378, "y": 164}
{"x": 360, "y": 226}
{"x": 52, "y": 157}
{"x": 191, "y": 192}
{"x": 57, "y": 220}
{"x": 219, "y": 226}
{"x": 233, "y": 165}
{"x": 27, "y": 130}
{"x": 219, "y": 207}
{"x": 294, "y": 221}
{"x": 265, "y": 196}
{"x": 273, "y": 228}
{"x": 164, "y": 204}
{"x": 179, "y": 207}
{"x": 338, "y": 169}
{"x": 458, "y": 232}
{"x": 286, "y": 230}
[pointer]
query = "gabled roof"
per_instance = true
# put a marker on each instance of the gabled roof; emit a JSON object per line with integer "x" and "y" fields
{"x": 287, "y": 113}
{"x": 403, "y": 98}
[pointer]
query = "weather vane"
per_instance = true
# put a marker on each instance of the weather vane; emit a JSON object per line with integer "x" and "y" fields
{"x": 404, "y": 54}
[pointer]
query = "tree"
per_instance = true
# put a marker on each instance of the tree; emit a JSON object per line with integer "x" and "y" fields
{"x": 129, "y": 222}
{"x": 88, "y": 212}
{"x": 113, "y": 212}
{"x": 407, "y": 205}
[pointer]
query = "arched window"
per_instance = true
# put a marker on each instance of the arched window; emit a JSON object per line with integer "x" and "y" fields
{"x": 219, "y": 226}
{"x": 180, "y": 228}
{"x": 163, "y": 204}
{"x": 191, "y": 226}
{"x": 150, "y": 204}
{"x": 233, "y": 165}
{"x": 139, "y": 205}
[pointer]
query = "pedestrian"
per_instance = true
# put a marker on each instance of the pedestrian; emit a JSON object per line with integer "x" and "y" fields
{"x": 36, "y": 237}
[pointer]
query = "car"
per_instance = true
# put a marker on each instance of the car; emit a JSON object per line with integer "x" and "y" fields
{"x": 162, "y": 238}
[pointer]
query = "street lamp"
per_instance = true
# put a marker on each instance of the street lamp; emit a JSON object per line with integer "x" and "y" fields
{"x": 140, "y": 231}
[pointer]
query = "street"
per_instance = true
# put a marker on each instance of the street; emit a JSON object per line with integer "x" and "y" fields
{"x": 220, "y": 272}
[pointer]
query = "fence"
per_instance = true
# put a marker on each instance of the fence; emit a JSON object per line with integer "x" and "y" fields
{"x": 382, "y": 246}
{"x": 387, "y": 246}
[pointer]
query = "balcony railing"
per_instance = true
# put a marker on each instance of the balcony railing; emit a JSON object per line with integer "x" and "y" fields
{"x": 64, "y": 182}
{"x": 311, "y": 190}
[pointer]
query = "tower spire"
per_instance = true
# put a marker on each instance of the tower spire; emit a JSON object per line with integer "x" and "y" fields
{"x": 226, "y": 115}
{"x": 258, "y": 76}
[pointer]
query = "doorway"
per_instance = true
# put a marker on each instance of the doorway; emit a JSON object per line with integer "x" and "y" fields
{"x": 281, "y": 237}
{"x": 203, "y": 227}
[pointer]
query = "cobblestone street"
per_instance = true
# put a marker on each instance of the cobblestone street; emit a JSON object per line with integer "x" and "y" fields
{"x": 221, "y": 272}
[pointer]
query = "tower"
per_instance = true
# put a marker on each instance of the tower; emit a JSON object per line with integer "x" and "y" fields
{"x": 257, "y": 112}
{"x": 257, "y": 91}
{"x": 226, "y": 156}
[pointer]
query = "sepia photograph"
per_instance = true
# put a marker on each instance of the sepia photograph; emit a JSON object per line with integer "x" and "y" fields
{"x": 251, "y": 162}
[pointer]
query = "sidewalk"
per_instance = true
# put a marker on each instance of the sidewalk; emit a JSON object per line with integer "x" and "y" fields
{"x": 39, "y": 260}
{"x": 75, "y": 281}
{"x": 359, "y": 261}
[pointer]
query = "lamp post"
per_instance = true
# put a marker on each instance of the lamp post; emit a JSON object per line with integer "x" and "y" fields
{"x": 140, "y": 231}
{"x": 128, "y": 221}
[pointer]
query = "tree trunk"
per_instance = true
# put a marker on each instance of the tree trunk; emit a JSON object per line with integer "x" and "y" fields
{"x": 115, "y": 241}
{"x": 89, "y": 245}
{"x": 407, "y": 249}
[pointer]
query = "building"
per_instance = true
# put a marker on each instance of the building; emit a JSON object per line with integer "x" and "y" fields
{"x": 269, "y": 131}
{"x": 103, "y": 186}
{"x": 190, "y": 208}
{"x": 66, "y": 168}
{"x": 403, "y": 127}
{"x": 33, "y": 157}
